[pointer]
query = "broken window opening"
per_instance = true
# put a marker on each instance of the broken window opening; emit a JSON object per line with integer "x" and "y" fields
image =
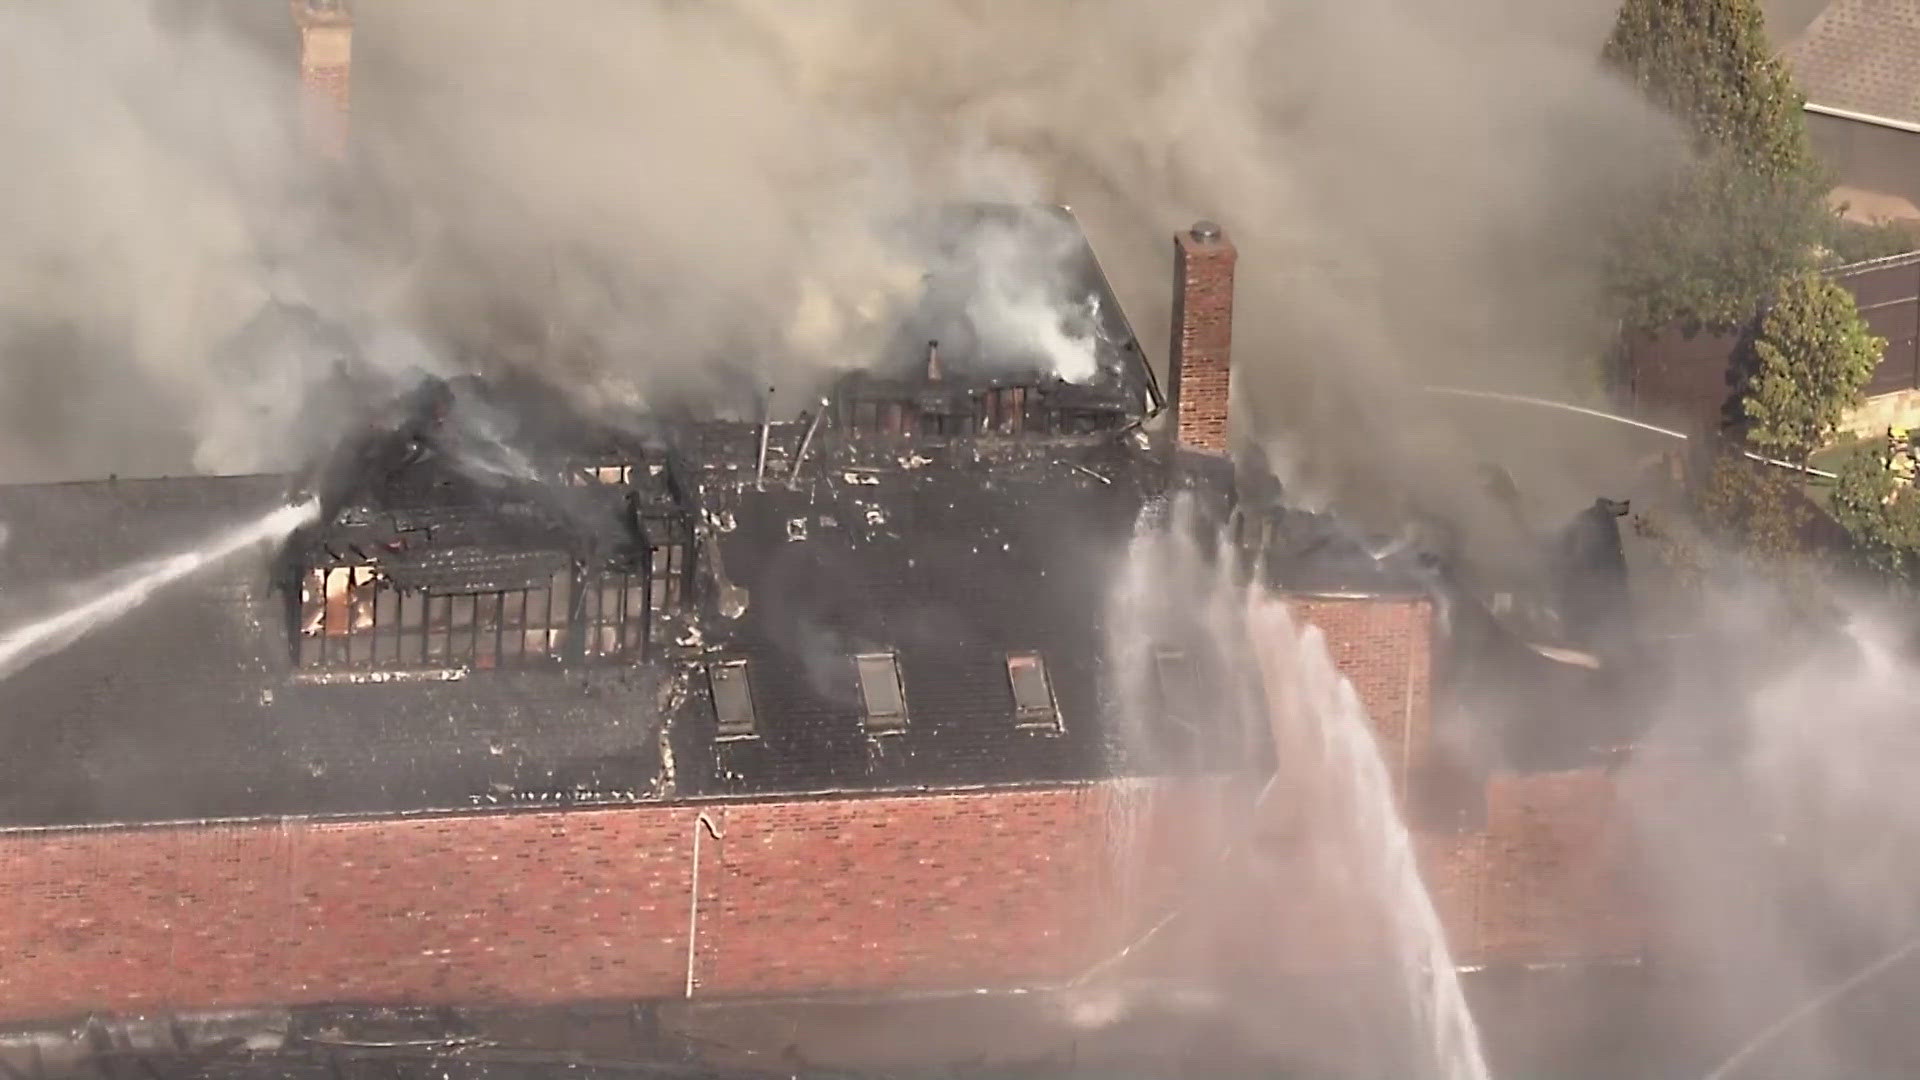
{"x": 1081, "y": 421}
{"x": 896, "y": 418}
{"x": 668, "y": 569}
{"x": 893, "y": 418}
{"x": 354, "y": 617}
{"x": 881, "y": 691}
{"x": 1006, "y": 410}
{"x": 613, "y": 615}
{"x": 944, "y": 424}
{"x": 732, "y": 699}
{"x": 1033, "y": 701}
{"x": 606, "y": 471}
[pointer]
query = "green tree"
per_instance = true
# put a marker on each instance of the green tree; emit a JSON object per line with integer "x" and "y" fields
{"x": 1879, "y": 507}
{"x": 1747, "y": 209}
{"x": 1747, "y": 523}
{"x": 1855, "y": 241}
{"x": 1708, "y": 62}
{"x": 1803, "y": 367}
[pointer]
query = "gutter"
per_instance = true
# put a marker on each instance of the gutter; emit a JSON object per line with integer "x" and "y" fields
{"x": 1864, "y": 118}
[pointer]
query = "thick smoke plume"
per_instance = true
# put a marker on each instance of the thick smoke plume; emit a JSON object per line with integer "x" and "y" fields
{"x": 1773, "y": 799}
{"x": 679, "y": 203}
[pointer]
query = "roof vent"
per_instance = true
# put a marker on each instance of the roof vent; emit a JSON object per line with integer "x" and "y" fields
{"x": 1205, "y": 231}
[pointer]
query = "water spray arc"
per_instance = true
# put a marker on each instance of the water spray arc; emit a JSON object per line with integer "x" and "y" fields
{"x": 1310, "y": 701}
{"x": 1273, "y": 681}
{"x": 1522, "y": 399}
{"x": 24, "y": 645}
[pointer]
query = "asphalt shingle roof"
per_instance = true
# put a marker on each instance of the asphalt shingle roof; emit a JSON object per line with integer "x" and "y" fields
{"x": 1862, "y": 56}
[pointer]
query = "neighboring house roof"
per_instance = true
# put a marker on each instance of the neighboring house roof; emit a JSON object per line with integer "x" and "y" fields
{"x": 1871, "y": 207}
{"x": 1861, "y": 58}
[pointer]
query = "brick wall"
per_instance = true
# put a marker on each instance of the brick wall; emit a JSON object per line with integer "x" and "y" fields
{"x": 935, "y": 891}
{"x": 1200, "y": 356}
{"x": 868, "y": 894}
{"x": 1384, "y": 647}
{"x": 1553, "y": 877}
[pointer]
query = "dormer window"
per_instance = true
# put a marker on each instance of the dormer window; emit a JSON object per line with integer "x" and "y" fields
{"x": 882, "y": 417}
{"x": 359, "y": 617}
{"x": 668, "y": 566}
{"x": 614, "y": 615}
{"x": 1006, "y": 412}
{"x": 881, "y": 692}
{"x": 1033, "y": 701}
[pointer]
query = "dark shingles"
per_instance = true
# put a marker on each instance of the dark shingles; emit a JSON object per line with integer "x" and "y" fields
{"x": 949, "y": 554}
{"x": 1862, "y": 56}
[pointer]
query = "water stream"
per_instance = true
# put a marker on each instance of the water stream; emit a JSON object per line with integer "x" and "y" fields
{"x": 1314, "y": 709}
{"x": 124, "y": 590}
{"x": 1186, "y": 593}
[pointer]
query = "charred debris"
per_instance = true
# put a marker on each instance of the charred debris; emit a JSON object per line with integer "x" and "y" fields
{"x": 481, "y": 525}
{"x": 510, "y": 600}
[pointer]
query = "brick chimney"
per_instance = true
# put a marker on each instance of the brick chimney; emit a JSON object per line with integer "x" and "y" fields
{"x": 1200, "y": 360}
{"x": 326, "y": 66}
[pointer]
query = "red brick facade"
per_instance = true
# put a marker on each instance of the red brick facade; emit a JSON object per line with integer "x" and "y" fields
{"x": 858, "y": 895}
{"x": 1200, "y": 358}
{"x": 1384, "y": 648}
{"x": 876, "y": 894}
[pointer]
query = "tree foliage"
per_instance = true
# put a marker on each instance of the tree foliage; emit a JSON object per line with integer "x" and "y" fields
{"x": 1748, "y": 208}
{"x": 1708, "y": 63}
{"x": 1748, "y": 524}
{"x": 1875, "y": 501}
{"x": 1711, "y": 245}
{"x": 1855, "y": 241}
{"x": 1753, "y": 509}
{"x": 1803, "y": 367}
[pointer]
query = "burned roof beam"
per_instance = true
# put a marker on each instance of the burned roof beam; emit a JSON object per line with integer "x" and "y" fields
{"x": 766, "y": 433}
{"x": 806, "y": 443}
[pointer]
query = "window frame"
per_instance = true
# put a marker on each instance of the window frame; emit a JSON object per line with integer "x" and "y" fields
{"x": 881, "y": 723}
{"x": 351, "y": 617}
{"x": 1177, "y": 694}
{"x": 1034, "y": 717}
{"x": 726, "y": 730}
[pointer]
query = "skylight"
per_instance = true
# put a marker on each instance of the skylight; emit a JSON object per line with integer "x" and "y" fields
{"x": 1179, "y": 689}
{"x": 732, "y": 699}
{"x": 1033, "y": 701}
{"x": 880, "y": 690}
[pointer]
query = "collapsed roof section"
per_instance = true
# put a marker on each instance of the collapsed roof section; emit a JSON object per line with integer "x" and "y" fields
{"x": 505, "y": 601}
{"x": 571, "y": 612}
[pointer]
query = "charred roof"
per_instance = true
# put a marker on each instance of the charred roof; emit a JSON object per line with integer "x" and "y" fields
{"x": 506, "y": 603}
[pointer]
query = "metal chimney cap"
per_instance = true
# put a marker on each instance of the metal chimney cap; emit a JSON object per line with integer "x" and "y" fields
{"x": 1205, "y": 231}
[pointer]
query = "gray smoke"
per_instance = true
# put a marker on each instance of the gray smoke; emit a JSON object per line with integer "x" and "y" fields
{"x": 664, "y": 202}
{"x": 1770, "y": 793}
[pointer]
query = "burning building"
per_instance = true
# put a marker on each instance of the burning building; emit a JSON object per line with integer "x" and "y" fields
{"x": 478, "y": 731}
{"x": 551, "y": 707}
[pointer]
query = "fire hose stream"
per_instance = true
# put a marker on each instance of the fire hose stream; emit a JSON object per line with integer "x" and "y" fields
{"x": 1731, "y": 1066}
{"x": 1522, "y": 399}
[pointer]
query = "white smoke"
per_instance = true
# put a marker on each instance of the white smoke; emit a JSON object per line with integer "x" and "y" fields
{"x": 1022, "y": 305}
{"x": 657, "y": 201}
